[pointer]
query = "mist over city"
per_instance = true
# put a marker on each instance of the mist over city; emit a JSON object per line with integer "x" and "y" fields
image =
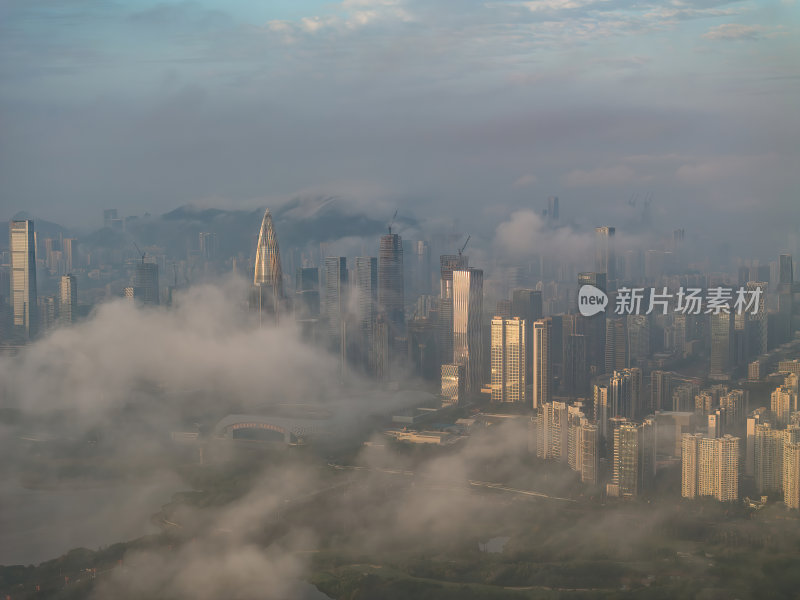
{"x": 388, "y": 299}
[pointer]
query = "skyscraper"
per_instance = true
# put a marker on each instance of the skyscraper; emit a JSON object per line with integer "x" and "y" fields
{"x": 307, "y": 299}
{"x": 267, "y": 295}
{"x": 605, "y": 254}
{"x": 542, "y": 365}
{"x": 390, "y": 282}
{"x": 616, "y": 354}
{"x": 468, "y": 325}
{"x": 448, "y": 263}
{"x": 452, "y": 384}
{"x": 68, "y": 299}
{"x": 422, "y": 275}
{"x": 335, "y": 295}
{"x": 552, "y": 209}
{"x": 208, "y": 245}
{"x": 69, "y": 249}
{"x": 756, "y": 324}
{"x": 508, "y": 360}
{"x": 660, "y": 390}
{"x": 24, "y": 301}
{"x": 791, "y": 468}
{"x": 145, "y": 283}
{"x": 366, "y": 303}
{"x": 722, "y": 355}
{"x": 594, "y": 327}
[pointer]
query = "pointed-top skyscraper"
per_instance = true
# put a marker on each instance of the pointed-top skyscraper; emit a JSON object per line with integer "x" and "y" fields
{"x": 268, "y": 279}
{"x": 268, "y": 257}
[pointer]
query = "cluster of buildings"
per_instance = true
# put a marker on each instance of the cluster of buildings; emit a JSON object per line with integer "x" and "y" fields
{"x": 613, "y": 395}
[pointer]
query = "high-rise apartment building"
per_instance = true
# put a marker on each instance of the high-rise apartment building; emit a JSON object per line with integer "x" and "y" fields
{"x": 768, "y": 457}
{"x": 24, "y": 301}
{"x": 634, "y": 457}
{"x": 710, "y": 467}
{"x": 509, "y": 357}
{"x": 552, "y": 431}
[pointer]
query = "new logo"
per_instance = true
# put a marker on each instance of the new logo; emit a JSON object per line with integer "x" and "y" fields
{"x": 591, "y": 300}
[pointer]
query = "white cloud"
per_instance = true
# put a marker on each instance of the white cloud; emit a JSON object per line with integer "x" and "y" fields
{"x": 525, "y": 180}
{"x": 735, "y": 31}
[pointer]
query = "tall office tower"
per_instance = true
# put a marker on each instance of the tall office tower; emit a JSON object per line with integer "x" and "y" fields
{"x": 47, "y": 312}
{"x": 634, "y": 457}
{"x": 690, "y": 451}
{"x": 366, "y": 301}
{"x": 722, "y": 332}
{"x": 616, "y": 354}
{"x": 468, "y": 326}
{"x": 69, "y": 250}
{"x": 784, "y": 320}
{"x": 390, "y": 283}
{"x": 508, "y": 360}
{"x": 785, "y": 269}
{"x": 783, "y": 403}
{"x": 735, "y": 405}
{"x": 307, "y": 301}
{"x": 757, "y": 417}
{"x": 422, "y": 350}
{"x": 449, "y": 263}
{"x": 542, "y": 376}
{"x": 380, "y": 348}
{"x": 267, "y": 294}
{"x": 602, "y": 408}
{"x": 575, "y": 380}
{"x": 605, "y": 254}
{"x": 503, "y": 309}
{"x": 756, "y": 324}
{"x": 336, "y": 296}
{"x": 552, "y": 431}
{"x": 625, "y": 388}
{"x": 552, "y": 210}
{"x": 422, "y": 267}
{"x": 68, "y": 299}
{"x": 768, "y": 458}
{"x": 208, "y": 245}
{"x": 638, "y": 339}
{"x": 589, "y": 449}
{"x": 527, "y": 305}
{"x": 145, "y": 284}
{"x": 24, "y": 302}
{"x": 661, "y": 390}
{"x": 594, "y": 327}
{"x": 109, "y": 214}
{"x": 452, "y": 384}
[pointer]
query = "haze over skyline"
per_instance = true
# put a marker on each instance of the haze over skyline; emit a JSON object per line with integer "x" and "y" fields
{"x": 483, "y": 107}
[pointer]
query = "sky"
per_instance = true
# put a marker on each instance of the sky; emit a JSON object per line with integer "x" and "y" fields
{"x": 440, "y": 107}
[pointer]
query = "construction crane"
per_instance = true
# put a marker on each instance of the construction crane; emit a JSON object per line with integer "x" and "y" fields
{"x": 392, "y": 222}
{"x": 469, "y": 237}
{"x": 139, "y": 250}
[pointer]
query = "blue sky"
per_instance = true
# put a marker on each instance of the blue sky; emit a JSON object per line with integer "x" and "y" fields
{"x": 482, "y": 107}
